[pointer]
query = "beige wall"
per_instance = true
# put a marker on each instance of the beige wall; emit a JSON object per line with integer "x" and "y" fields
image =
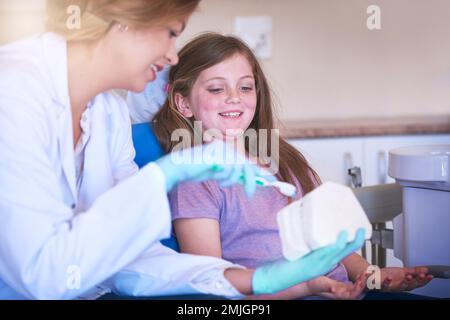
{"x": 20, "y": 18}
{"x": 325, "y": 62}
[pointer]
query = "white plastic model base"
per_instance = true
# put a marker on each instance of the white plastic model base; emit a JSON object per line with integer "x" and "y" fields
{"x": 316, "y": 220}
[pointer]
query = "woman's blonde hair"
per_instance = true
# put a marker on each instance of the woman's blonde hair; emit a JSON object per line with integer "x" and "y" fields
{"x": 97, "y": 16}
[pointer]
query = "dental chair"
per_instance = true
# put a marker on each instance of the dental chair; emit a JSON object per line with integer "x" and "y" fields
{"x": 419, "y": 206}
{"x": 148, "y": 149}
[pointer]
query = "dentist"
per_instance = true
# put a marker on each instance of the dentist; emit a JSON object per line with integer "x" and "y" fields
{"x": 77, "y": 218}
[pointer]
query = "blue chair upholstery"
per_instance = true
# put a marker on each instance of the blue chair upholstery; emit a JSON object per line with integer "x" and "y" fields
{"x": 148, "y": 149}
{"x": 146, "y": 144}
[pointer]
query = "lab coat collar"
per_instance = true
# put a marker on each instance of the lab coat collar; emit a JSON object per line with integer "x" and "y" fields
{"x": 66, "y": 151}
{"x": 55, "y": 57}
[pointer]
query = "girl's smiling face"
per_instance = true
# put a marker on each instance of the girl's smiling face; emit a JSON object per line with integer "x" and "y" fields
{"x": 223, "y": 97}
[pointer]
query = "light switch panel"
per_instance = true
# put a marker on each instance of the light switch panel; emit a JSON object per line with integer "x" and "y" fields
{"x": 256, "y": 31}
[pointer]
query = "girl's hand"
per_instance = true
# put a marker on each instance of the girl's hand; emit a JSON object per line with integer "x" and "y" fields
{"x": 336, "y": 290}
{"x": 404, "y": 279}
{"x": 321, "y": 286}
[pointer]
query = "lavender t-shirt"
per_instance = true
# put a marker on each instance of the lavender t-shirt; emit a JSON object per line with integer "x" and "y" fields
{"x": 248, "y": 226}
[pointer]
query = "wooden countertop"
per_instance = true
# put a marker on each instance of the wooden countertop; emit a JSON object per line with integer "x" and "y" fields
{"x": 365, "y": 127}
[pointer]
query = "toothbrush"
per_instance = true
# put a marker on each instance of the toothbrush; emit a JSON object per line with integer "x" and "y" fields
{"x": 285, "y": 188}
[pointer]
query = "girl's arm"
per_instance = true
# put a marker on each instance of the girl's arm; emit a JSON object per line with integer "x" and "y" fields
{"x": 201, "y": 236}
{"x": 392, "y": 278}
{"x": 320, "y": 286}
{"x": 355, "y": 265}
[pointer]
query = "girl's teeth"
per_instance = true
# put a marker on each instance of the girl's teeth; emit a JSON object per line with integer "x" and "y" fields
{"x": 154, "y": 68}
{"x": 231, "y": 114}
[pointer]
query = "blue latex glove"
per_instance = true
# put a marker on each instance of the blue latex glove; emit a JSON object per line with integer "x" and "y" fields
{"x": 280, "y": 275}
{"x": 212, "y": 161}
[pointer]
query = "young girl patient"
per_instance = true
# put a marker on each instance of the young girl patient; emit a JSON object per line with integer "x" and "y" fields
{"x": 219, "y": 82}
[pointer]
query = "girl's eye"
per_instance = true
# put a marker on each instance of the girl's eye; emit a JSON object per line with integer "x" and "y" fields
{"x": 215, "y": 90}
{"x": 246, "y": 89}
{"x": 172, "y": 33}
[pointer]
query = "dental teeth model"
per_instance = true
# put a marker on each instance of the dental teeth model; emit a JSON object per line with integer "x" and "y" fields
{"x": 316, "y": 220}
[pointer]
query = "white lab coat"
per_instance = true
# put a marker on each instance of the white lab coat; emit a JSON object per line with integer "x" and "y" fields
{"x": 49, "y": 247}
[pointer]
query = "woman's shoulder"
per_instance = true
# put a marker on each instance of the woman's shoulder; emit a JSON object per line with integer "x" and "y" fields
{"x": 30, "y": 65}
{"x": 35, "y": 52}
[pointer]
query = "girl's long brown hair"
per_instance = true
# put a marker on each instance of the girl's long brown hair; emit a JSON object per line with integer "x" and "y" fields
{"x": 202, "y": 53}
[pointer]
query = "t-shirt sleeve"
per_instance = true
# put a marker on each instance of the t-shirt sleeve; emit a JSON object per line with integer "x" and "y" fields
{"x": 196, "y": 200}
